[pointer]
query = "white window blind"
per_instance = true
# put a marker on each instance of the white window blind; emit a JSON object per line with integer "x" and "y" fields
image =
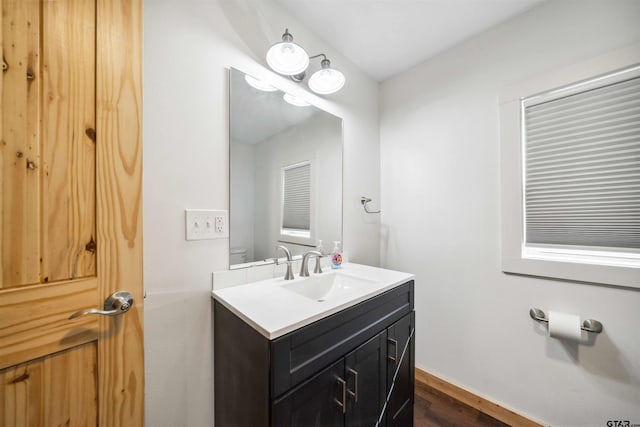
{"x": 582, "y": 168}
{"x": 296, "y": 210}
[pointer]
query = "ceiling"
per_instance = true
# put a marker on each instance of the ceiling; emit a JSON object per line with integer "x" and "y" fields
{"x": 385, "y": 37}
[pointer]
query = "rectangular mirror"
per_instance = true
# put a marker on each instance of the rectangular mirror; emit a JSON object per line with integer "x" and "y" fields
{"x": 285, "y": 172}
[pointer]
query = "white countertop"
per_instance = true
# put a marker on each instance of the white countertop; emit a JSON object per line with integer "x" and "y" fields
{"x": 274, "y": 311}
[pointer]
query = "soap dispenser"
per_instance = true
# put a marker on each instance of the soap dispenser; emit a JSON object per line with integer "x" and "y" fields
{"x": 336, "y": 255}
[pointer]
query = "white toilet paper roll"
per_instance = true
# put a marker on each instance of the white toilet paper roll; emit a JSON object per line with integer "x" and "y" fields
{"x": 564, "y": 326}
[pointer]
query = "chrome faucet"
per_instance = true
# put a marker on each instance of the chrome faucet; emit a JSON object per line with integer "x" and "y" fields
{"x": 289, "y": 274}
{"x": 304, "y": 269}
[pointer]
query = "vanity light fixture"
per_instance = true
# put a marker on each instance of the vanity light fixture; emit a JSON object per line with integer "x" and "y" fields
{"x": 292, "y": 60}
{"x": 259, "y": 84}
{"x": 295, "y": 100}
{"x": 326, "y": 80}
{"x": 286, "y": 57}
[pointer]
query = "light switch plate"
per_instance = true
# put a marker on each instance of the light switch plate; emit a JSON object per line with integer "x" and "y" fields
{"x": 205, "y": 224}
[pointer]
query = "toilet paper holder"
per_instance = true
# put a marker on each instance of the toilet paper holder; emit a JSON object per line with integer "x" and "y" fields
{"x": 588, "y": 325}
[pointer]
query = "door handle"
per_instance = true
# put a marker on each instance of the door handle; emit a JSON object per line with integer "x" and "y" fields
{"x": 117, "y": 303}
{"x": 394, "y": 359}
{"x": 343, "y": 404}
{"x": 353, "y": 394}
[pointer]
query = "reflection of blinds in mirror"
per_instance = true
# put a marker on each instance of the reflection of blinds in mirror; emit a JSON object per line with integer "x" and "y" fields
{"x": 296, "y": 208}
{"x": 583, "y": 168}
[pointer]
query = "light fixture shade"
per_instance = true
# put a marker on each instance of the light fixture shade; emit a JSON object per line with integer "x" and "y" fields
{"x": 294, "y": 100}
{"x": 326, "y": 81}
{"x": 287, "y": 57}
{"x": 259, "y": 84}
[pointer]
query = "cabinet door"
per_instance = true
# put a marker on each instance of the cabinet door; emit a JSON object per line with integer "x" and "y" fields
{"x": 315, "y": 403}
{"x": 400, "y": 408}
{"x": 366, "y": 376}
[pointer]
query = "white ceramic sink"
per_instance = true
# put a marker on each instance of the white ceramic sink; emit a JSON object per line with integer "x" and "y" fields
{"x": 328, "y": 286}
{"x": 275, "y": 307}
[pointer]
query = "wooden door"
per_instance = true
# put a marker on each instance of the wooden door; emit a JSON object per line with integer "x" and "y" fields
{"x": 366, "y": 377}
{"x": 70, "y": 212}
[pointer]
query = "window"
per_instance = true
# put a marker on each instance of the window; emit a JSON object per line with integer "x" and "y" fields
{"x": 582, "y": 171}
{"x": 296, "y": 203}
{"x": 577, "y": 154}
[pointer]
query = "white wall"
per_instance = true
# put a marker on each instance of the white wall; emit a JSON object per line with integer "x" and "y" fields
{"x": 188, "y": 46}
{"x": 318, "y": 139}
{"x": 441, "y": 220}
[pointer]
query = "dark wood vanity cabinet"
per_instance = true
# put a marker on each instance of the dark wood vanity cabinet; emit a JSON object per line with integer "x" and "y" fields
{"x": 400, "y": 406}
{"x": 313, "y": 403}
{"x": 366, "y": 382}
{"x": 350, "y": 392}
{"x": 337, "y": 371}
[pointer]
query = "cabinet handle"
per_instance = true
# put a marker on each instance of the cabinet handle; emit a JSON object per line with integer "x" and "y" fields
{"x": 394, "y": 359}
{"x": 342, "y": 404}
{"x": 354, "y": 394}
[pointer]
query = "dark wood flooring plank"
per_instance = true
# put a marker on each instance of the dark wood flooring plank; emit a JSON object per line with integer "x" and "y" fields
{"x": 433, "y": 408}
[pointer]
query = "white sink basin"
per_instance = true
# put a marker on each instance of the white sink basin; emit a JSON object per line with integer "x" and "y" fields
{"x": 328, "y": 286}
{"x": 275, "y": 307}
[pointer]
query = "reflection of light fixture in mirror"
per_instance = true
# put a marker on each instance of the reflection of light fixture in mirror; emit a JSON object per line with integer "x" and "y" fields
{"x": 292, "y": 60}
{"x": 294, "y": 100}
{"x": 286, "y": 57}
{"x": 259, "y": 84}
{"x": 326, "y": 80}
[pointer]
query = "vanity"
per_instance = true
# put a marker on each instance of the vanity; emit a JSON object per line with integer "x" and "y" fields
{"x": 334, "y": 349}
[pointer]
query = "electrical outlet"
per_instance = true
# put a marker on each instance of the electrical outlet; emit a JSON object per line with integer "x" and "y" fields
{"x": 219, "y": 224}
{"x": 204, "y": 224}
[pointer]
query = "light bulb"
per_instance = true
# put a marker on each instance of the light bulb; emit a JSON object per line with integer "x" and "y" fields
{"x": 287, "y": 48}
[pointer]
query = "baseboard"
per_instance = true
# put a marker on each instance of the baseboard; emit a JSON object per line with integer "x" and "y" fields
{"x": 479, "y": 403}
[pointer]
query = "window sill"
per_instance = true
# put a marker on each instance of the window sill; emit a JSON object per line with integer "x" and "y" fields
{"x": 298, "y": 238}
{"x": 582, "y": 256}
{"x": 628, "y": 277}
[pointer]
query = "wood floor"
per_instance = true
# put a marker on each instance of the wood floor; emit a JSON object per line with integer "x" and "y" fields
{"x": 435, "y": 409}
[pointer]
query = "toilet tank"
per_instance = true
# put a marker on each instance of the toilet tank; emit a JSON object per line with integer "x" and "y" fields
{"x": 237, "y": 256}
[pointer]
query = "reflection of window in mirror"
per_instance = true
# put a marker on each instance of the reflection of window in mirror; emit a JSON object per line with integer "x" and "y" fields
{"x": 296, "y": 208}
